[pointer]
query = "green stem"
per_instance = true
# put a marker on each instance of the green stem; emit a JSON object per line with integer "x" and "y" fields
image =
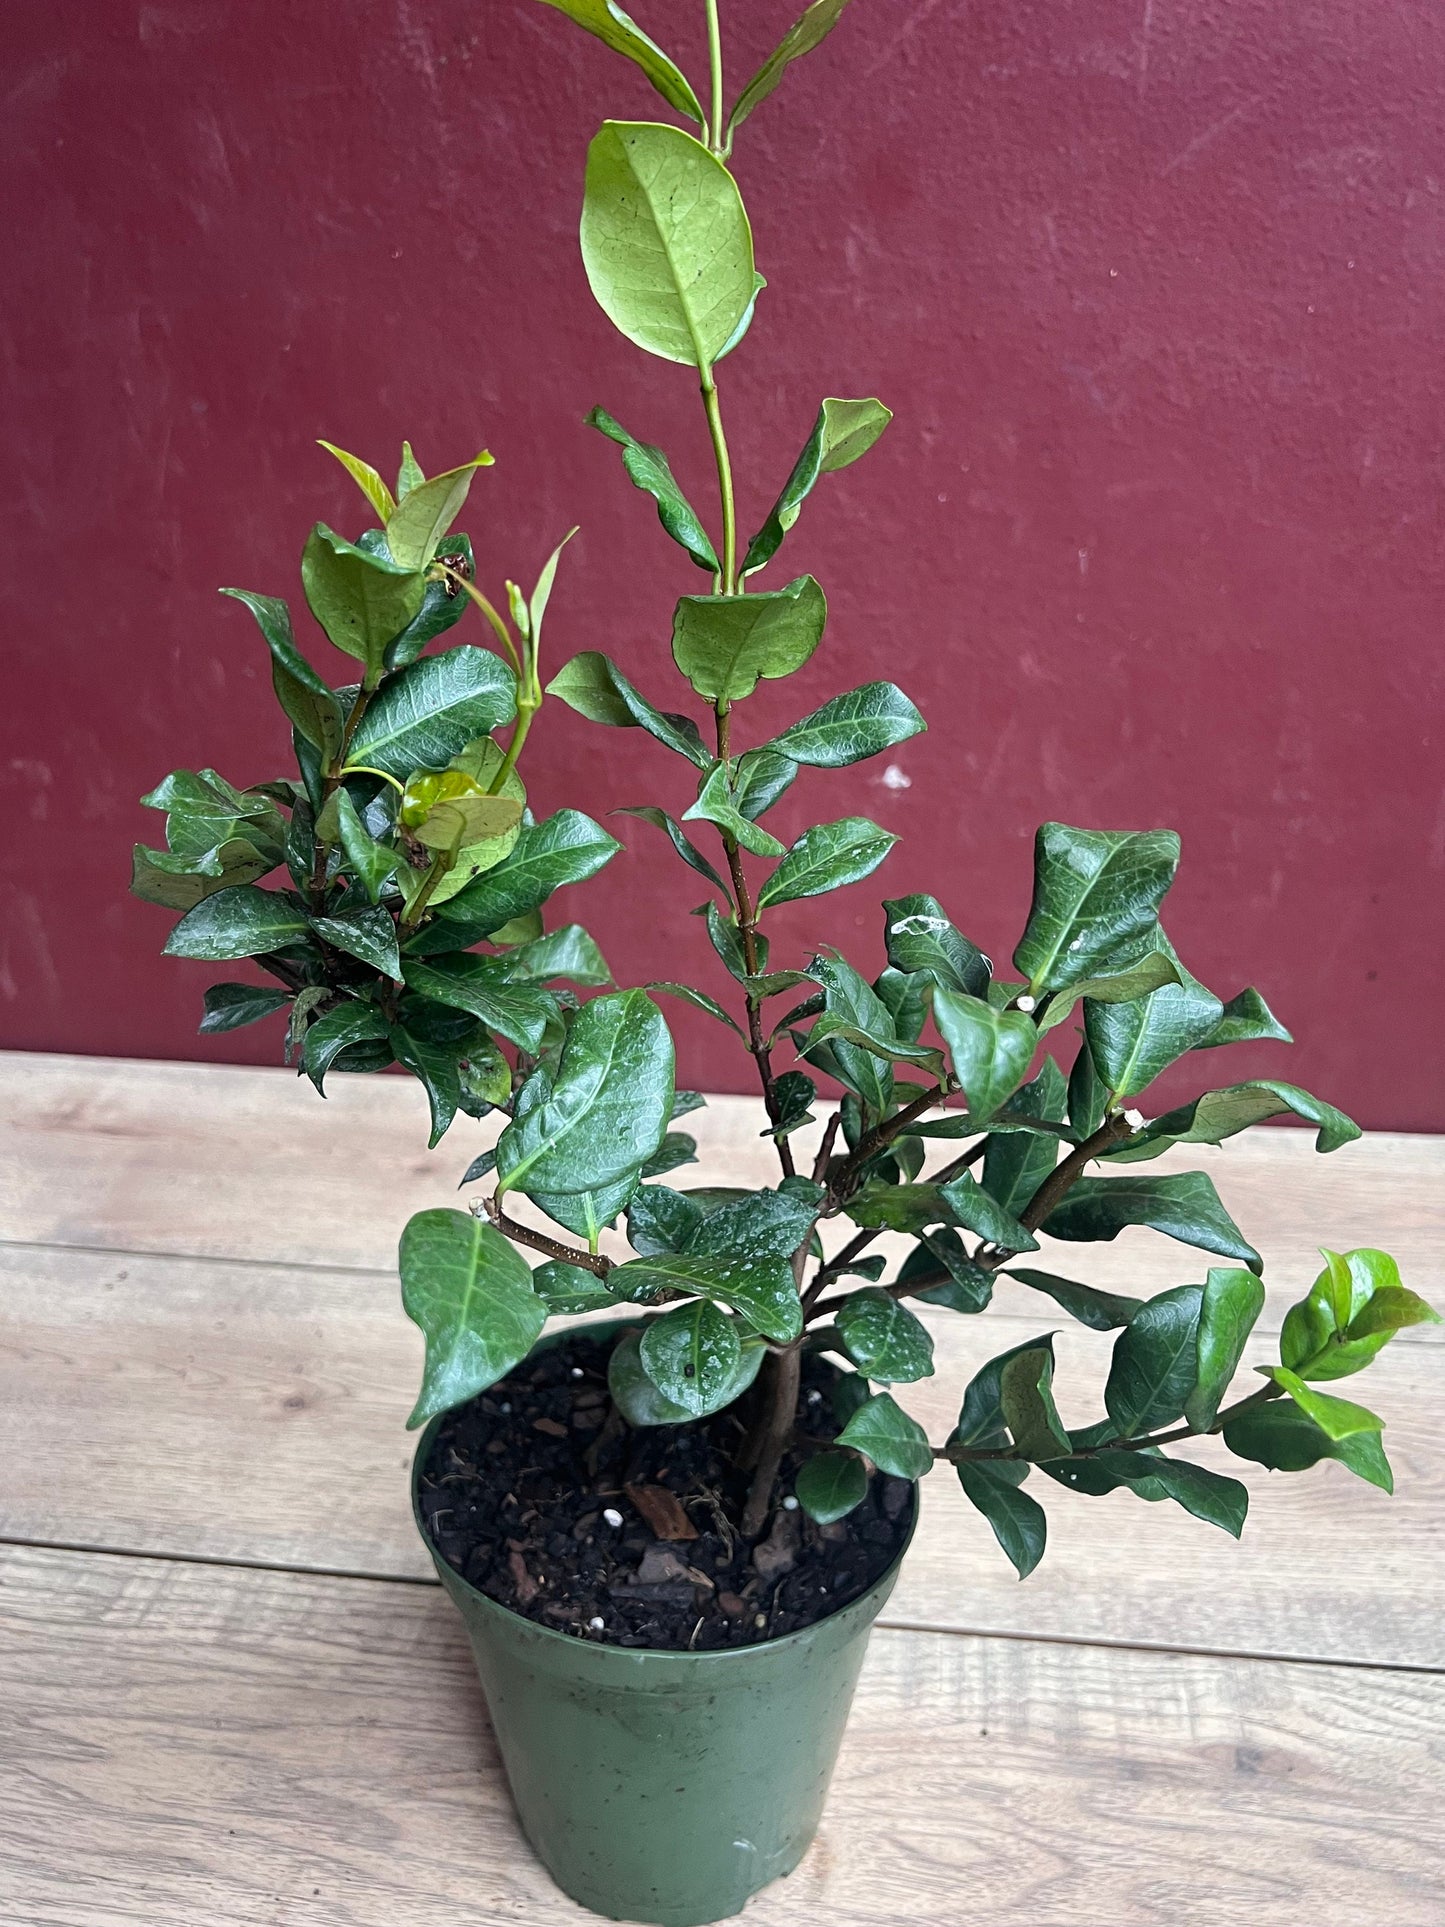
{"x": 715, "y": 76}
{"x": 503, "y": 634}
{"x": 525, "y": 712}
{"x": 365, "y": 769}
{"x": 724, "y": 482}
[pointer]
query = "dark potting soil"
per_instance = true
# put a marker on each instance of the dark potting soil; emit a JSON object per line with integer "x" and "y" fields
{"x": 519, "y": 1483}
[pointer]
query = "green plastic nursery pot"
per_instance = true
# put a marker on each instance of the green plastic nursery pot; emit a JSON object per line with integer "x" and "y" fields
{"x": 664, "y": 1786}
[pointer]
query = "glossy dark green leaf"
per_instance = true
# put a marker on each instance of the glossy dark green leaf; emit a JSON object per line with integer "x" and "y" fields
{"x": 566, "y": 848}
{"x": 681, "y": 842}
{"x": 1131, "y": 1043}
{"x": 349, "y": 1024}
{"x": 369, "y": 935}
{"x": 647, "y": 468}
{"x": 666, "y": 242}
{"x": 306, "y": 697}
{"x": 180, "y": 883}
{"x": 1155, "y": 1363}
{"x": 793, "y": 1093}
{"x": 587, "y": 1214}
{"x": 675, "y": 1150}
{"x": 362, "y": 600}
{"x": 716, "y": 804}
{"x": 229, "y": 1006}
{"x": 852, "y": 1002}
{"x": 212, "y": 827}
{"x": 471, "y": 1293}
{"x": 1185, "y": 1206}
{"x": 596, "y": 688}
{"x": 1218, "y": 1500}
{"x": 973, "y": 1208}
{"x": 830, "y": 1484}
{"x": 434, "y": 1066}
{"x": 426, "y": 714}
{"x": 608, "y": 1106}
{"x": 811, "y": 28}
{"x": 699, "y": 1000}
{"x": 726, "y": 940}
{"x": 567, "y": 1290}
{"x": 1286, "y": 1439}
{"x": 851, "y": 727}
{"x": 660, "y": 1219}
{"x": 1233, "y": 1299}
{"x": 371, "y": 862}
{"x": 1339, "y": 1417}
{"x": 884, "y": 1432}
{"x": 826, "y": 858}
{"x": 242, "y": 921}
{"x": 991, "y": 1049}
{"x": 1101, "y": 1311}
{"x": 908, "y": 996}
{"x": 1018, "y": 1521}
{"x": 843, "y": 431}
{"x": 568, "y": 953}
{"x": 725, "y": 644}
{"x": 884, "y": 1339}
{"x": 920, "y": 938}
{"x": 961, "y": 1285}
{"x": 1151, "y": 972}
{"x": 760, "y": 778}
{"x": 692, "y": 1355}
{"x": 1096, "y": 899}
{"x": 1015, "y": 1163}
{"x": 614, "y": 29}
{"x": 1220, "y": 1114}
{"x": 1027, "y": 1401}
{"x": 1088, "y": 1094}
{"x": 742, "y": 1255}
{"x": 519, "y": 1012}
{"x": 981, "y": 1418}
{"x": 1247, "y": 1019}
{"x": 479, "y": 1167}
{"x": 442, "y": 607}
{"x": 639, "y": 1400}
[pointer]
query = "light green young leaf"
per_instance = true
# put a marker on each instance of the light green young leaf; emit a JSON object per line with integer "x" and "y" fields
{"x": 1338, "y": 1417}
{"x": 471, "y": 1293}
{"x": 723, "y": 644}
{"x": 614, "y": 29}
{"x": 1286, "y": 1439}
{"x": 415, "y": 528}
{"x": 366, "y": 479}
{"x": 666, "y": 242}
{"x": 843, "y": 431}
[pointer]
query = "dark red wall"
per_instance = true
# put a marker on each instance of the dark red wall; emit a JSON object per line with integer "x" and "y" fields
{"x": 1154, "y": 287}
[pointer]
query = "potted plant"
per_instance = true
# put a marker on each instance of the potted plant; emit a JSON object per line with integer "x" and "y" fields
{"x": 669, "y": 1532}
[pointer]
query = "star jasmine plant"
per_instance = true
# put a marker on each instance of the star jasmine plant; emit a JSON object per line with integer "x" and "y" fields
{"x": 981, "y": 1113}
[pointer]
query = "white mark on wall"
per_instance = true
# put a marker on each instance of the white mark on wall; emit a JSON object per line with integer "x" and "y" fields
{"x": 1209, "y": 136}
{"x": 1144, "y": 47}
{"x": 893, "y": 778}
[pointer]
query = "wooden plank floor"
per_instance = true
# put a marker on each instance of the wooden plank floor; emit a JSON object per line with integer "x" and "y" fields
{"x": 225, "y": 1697}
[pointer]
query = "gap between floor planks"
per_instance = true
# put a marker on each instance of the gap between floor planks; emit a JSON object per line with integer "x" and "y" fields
{"x": 229, "y": 1745}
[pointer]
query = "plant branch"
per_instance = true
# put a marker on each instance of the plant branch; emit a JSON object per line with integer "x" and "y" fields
{"x": 1060, "y": 1180}
{"x": 883, "y": 1135}
{"x": 724, "y": 482}
{"x": 522, "y": 1234}
{"x": 963, "y": 1454}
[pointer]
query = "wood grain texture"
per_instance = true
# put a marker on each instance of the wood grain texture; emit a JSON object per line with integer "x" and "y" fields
{"x": 185, "y": 1744}
{"x": 248, "y": 1411}
{"x": 223, "y": 1162}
